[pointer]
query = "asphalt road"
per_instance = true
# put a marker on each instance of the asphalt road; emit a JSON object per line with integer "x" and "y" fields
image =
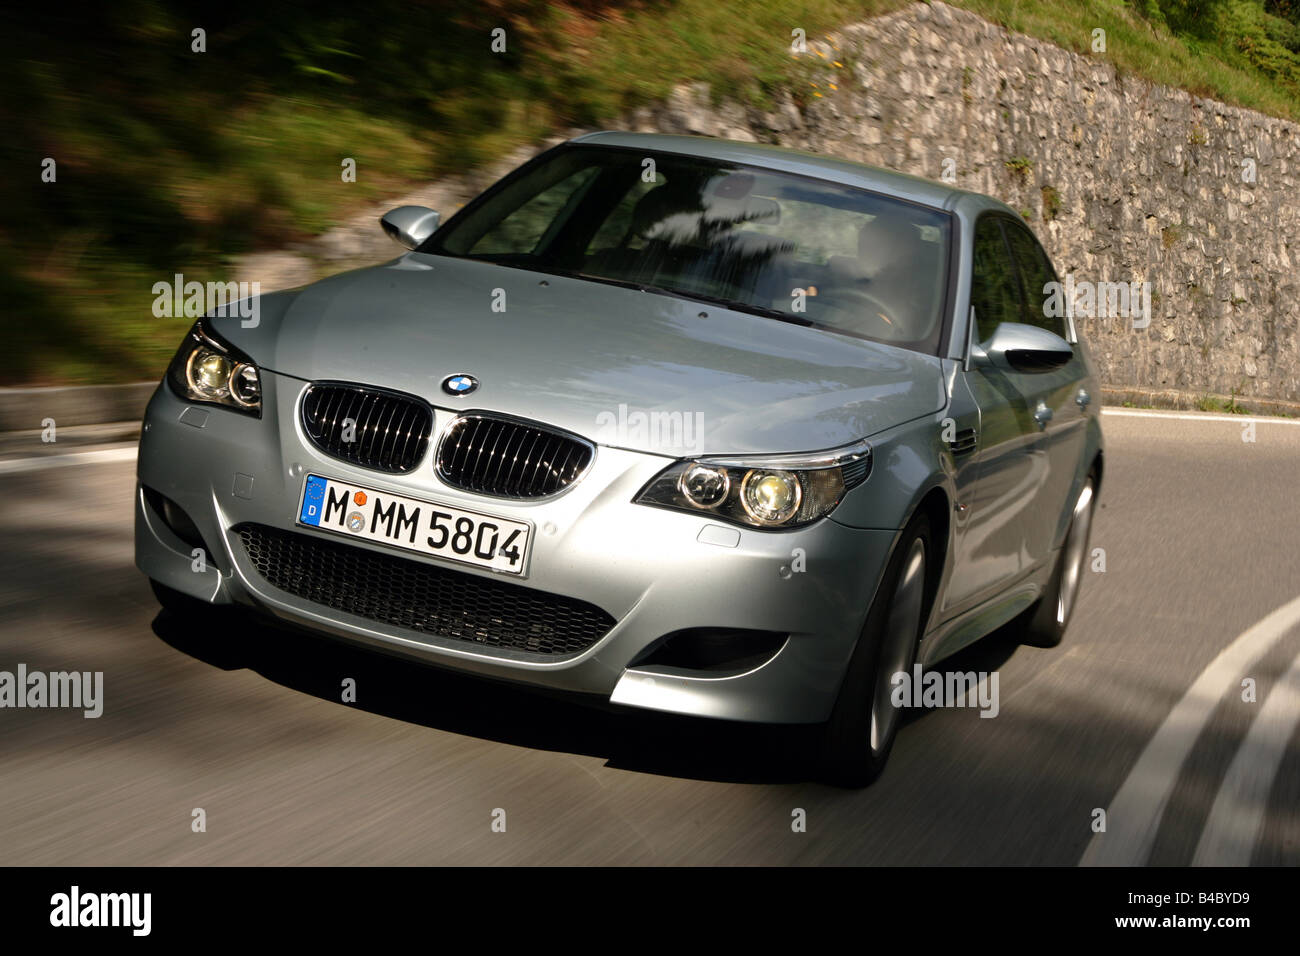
{"x": 1138, "y": 713}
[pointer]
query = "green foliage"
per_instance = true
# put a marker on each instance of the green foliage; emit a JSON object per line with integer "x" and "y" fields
{"x": 1051, "y": 203}
{"x": 175, "y": 160}
{"x": 1234, "y": 407}
{"x": 1230, "y": 405}
{"x": 1263, "y": 34}
{"x": 171, "y": 160}
{"x": 1020, "y": 167}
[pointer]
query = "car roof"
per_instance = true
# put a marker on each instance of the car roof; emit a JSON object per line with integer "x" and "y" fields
{"x": 912, "y": 188}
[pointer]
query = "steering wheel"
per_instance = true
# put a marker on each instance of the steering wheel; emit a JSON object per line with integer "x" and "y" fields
{"x": 866, "y": 307}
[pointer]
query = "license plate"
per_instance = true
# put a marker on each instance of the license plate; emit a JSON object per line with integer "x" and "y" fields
{"x": 470, "y": 537}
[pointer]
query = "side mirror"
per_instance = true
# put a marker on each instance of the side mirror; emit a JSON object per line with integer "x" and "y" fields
{"x": 409, "y": 225}
{"x": 1023, "y": 348}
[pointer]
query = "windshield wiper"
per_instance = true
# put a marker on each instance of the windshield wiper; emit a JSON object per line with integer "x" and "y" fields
{"x": 742, "y": 306}
{"x": 736, "y": 304}
{"x": 621, "y": 283}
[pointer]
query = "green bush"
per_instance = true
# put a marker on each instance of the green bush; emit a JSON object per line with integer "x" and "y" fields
{"x": 175, "y": 161}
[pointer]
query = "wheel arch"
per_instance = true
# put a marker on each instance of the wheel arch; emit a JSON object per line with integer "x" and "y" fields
{"x": 937, "y": 507}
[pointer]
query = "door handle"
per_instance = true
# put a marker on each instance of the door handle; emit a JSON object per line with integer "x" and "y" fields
{"x": 1042, "y": 415}
{"x": 1083, "y": 398}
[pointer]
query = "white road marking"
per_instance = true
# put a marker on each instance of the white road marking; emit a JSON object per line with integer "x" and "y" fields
{"x": 1183, "y": 416}
{"x": 1133, "y": 816}
{"x": 42, "y": 462}
{"x": 1238, "y": 814}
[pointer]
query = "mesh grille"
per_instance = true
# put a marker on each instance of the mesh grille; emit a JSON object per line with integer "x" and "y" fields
{"x": 422, "y": 597}
{"x": 390, "y": 432}
{"x": 510, "y": 459}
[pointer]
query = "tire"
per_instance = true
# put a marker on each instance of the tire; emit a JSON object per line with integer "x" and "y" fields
{"x": 856, "y": 741}
{"x": 1044, "y": 624}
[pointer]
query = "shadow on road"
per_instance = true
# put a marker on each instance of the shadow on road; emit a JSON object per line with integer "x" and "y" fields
{"x": 453, "y": 702}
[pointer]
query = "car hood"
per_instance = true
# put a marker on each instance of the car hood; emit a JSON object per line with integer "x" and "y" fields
{"x": 638, "y": 370}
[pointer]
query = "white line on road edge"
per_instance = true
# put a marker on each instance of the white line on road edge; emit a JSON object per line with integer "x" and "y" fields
{"x": 1238, "y": 813}
{"x": 40, "y": 463}
{"x": 1133, "y": 816}
{"x": 1239, "y": 419}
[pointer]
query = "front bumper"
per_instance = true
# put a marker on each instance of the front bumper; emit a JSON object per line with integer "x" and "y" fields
{"x": 654, "y": 571}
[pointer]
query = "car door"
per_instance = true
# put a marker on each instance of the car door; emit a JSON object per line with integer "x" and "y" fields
{"x": 1056, "y": 398}
{"x": 997, "y": 478}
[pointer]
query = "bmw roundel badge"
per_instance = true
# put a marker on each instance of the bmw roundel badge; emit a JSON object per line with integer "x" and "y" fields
{"x": 459, "y": 384}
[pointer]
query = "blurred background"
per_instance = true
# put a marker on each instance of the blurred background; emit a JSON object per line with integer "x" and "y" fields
{"x": 174, "y": 161}
{"x": 170, "y": 160}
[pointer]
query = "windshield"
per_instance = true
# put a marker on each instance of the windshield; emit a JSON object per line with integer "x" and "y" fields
{"x": 766, "y": 242}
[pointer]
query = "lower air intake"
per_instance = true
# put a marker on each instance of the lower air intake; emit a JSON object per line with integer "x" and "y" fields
{"x": 422, "y": 597}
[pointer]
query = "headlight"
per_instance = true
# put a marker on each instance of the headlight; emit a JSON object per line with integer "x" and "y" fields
{"x": 207, "y": 369}
{"x": 770, "y": 497}
{"x": 768, "y": 491}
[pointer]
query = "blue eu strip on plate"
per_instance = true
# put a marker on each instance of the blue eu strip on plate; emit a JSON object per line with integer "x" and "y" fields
{"x": 313, "y": 498}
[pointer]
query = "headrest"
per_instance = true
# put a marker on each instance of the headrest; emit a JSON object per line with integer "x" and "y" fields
{"x": 886, "y": 238}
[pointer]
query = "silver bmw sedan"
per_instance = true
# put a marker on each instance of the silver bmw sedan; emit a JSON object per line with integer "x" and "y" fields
{"x": 710, "y": 428}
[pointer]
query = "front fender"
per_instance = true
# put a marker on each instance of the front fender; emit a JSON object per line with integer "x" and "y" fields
{"x": 908, "y": 462}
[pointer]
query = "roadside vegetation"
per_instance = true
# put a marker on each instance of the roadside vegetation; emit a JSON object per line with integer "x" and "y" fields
{"x": 170, "y": 160}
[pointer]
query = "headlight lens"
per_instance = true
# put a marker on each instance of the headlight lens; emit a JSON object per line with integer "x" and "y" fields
{"x": 207, "y": 369}
{"x": 770, "y": 497}
{"x": 773, "y": 491}
{"x": 704, "y": 487}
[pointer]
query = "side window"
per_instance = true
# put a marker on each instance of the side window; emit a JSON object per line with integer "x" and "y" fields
{"x": 1035, "y": 272}
{"x": 521, "y": 231}
{"x": 994, "y": 291}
